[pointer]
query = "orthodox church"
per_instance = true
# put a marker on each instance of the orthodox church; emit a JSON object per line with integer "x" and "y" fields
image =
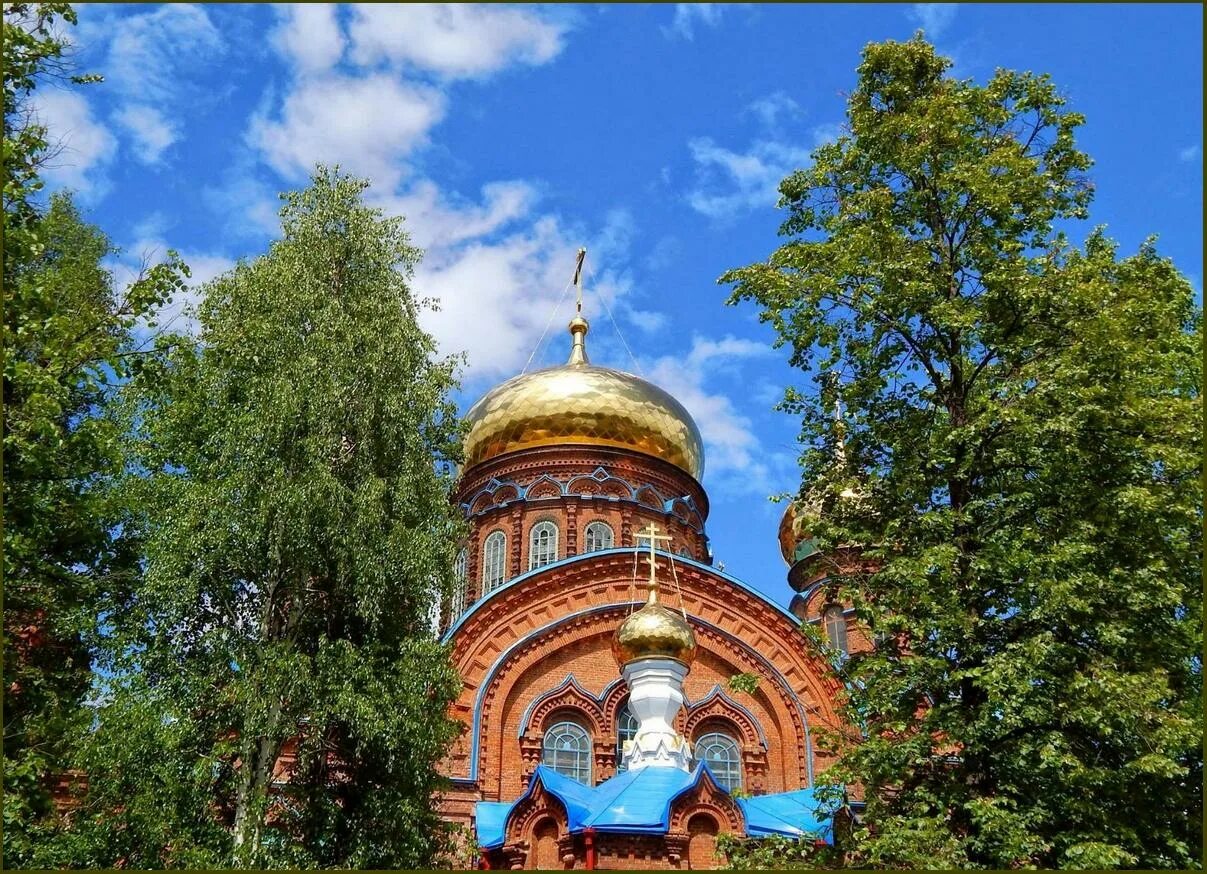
{"x": 597, "y": 640}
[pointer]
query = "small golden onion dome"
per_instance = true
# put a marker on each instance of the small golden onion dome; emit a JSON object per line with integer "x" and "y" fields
{"x": 580, "y": 403}
{"x": 788, "y": 536}
{"x": 654, "y": 631}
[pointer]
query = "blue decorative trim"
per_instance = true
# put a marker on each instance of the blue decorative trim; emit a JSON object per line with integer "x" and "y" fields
{"x": 599, "y": 475}
{"x": 475, "y": 728}
{"x": 627, "y": 550}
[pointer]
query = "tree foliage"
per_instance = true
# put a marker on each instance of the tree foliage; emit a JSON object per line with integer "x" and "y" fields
{"x": 1023, "y": 449}
{"x": 68, "y": 338}
{"x": 277, "y": 697}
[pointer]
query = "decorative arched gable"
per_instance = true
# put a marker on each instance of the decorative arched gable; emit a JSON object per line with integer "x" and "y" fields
{"x": 569, "y": 696}
{"x": 720, "y": 707}
{"x": 544, "y": 487}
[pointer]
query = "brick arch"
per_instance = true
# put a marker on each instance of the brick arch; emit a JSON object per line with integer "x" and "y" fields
{"x": 544, "y": 487}
{"x": 720, "y": 708}
{"x": 594, "y": 484}
{"x": 707, "y": 798}
{"x": 613, "y": 696}
{"x": 483, "y": 502}
{"x": 507, "y": 493}
{"x": 567, "y": 698}
{"x": 505, "y": 637}
{"x": 498, "y": 700}
{"x": 649, "y": 496}
{"x": 537, "y": 806}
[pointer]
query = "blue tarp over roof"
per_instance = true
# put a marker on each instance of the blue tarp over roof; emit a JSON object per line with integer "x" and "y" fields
{"x": 639, "y": 802}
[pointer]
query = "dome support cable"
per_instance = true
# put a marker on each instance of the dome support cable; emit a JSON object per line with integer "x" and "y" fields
{"x": 557, "y": 307}
{"x": 616, "y": 327}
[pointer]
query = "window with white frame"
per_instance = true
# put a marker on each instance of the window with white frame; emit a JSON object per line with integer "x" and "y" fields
{"x": 626, "y": 729}
{"x": 723, "y": 757}
{"x": 836, "y": 628}
{"x": 599, "y": 536}
{"x": 542, "y": 545}
{"x": 566, "y": 748}
{"x": 494, "y": 561}
{"x": 461, "y": 577}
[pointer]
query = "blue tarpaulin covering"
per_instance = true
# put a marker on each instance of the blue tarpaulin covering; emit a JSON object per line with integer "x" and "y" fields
{"x": 639, "y": 802}
{"x": 490, "y": 819}
{"x": 797, "y": 814}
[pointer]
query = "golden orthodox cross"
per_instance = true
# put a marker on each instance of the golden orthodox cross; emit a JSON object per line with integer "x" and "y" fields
{"x": 651, "y": 534}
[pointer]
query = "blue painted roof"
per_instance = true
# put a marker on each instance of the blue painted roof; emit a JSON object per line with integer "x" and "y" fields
{"x": 490, "y": 822}
{"x": 639, "y": 802}
{"x": 796, "y": 814}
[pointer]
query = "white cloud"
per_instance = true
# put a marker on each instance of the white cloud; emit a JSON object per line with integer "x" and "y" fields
{"x": 771, "y": 108}
{"x": 735, "y": 460}
{"x": 147, "y": 127}
{"x": 367, "y": 125}
{"x": 730, "y": 183}
{"x": 309, "y": 35}
{"x": 497, "y": 297}
{"x": 80, "y": 145}
{"x": 688, "y": 15}
{"x": 434, "y": 219}
{"x": 1189, "y": 154}
{"x": 453, "y": 40}
{"x": 150, "y": 55}
{"x": 933, "y": 18}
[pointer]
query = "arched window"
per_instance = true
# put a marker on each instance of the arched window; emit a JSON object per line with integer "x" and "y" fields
{"x": 567, "y": 750}
{"x": 626, "y": 729}
{"x": 720, "y": 752}
{"x": 542, "y": 545}
{"x": 494, "y": 557}
{"x": 836, "y": 628}
{"x": 460, "y": 572}
{"x": 599, "y": 536}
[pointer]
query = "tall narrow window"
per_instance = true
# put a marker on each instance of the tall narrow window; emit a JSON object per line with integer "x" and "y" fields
{"x": 567, "y": 749}
{"x": 494, "y": 558}
{"x": 836, "y": 628}
{"x": 626, "y": 729}
{"x": 461, "y": 572}
{"x": 542, "y": 545}
{"x": 599, "y": 536}
{"x": 720, "y": 753}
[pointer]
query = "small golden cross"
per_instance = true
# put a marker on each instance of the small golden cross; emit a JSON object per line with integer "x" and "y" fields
{"x": 651, "y": 534}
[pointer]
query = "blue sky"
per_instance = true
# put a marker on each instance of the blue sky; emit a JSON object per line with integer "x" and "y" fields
{"x": 653, "y": 135}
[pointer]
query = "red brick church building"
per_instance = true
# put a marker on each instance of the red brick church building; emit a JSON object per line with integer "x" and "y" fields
{"x": 601, "y": 728}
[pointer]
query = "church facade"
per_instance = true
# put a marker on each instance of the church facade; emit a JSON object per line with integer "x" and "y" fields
{"x": 597, "y": 641}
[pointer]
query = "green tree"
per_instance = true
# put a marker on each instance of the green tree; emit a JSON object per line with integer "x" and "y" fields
{"x": 278, "y": 697}
{"x": 1022, "y": 461}
{"x": 68, "y": 338}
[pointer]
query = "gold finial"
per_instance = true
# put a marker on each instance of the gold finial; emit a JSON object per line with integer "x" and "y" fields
{"x": 578, "y": 325}
{"x": 651, "y": 534}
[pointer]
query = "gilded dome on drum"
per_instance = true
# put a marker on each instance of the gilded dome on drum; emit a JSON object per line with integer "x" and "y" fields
{"x": 654, "y": 631}
{"x": 580, "y": 403}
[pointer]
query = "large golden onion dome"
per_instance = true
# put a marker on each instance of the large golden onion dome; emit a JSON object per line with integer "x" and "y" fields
{"x": 580, "y": 403}
{"x": 654, "y": 631}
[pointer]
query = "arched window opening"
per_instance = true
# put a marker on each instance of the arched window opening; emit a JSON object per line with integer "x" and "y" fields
{"x": 460, "y": 574}
{"x": 599, "y": 536}
{"x": 542, "y": 545}
{"x": 836, "y": 628}
{"x": 566, "y": 748}
{"x": 626, "y": 729}
{"x": 494, "y": 558}
{"x": 723, "y": 757}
